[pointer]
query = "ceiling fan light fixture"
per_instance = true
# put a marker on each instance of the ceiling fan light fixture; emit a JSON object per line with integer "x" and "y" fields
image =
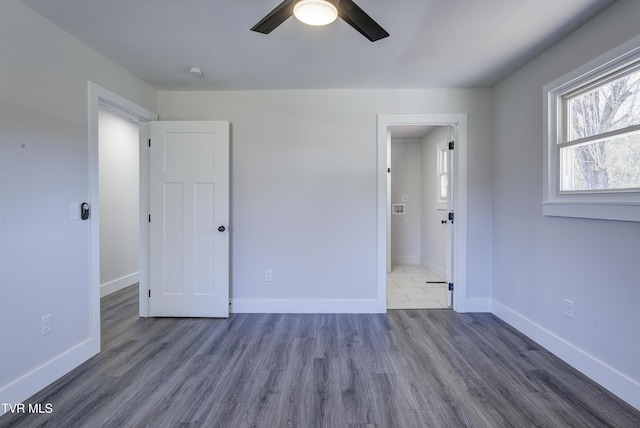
{"x": 315, "y": 12}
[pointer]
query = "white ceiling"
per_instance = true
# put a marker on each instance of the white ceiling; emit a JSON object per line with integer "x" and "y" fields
{"x": 433, "y": 43}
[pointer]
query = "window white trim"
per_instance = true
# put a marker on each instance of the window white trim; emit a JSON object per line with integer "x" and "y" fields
{"x": 606, "y": 205}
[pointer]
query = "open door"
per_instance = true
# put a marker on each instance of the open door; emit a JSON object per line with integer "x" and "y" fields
{"x": 451, "y": 216}
{"x": 188, "y": 219}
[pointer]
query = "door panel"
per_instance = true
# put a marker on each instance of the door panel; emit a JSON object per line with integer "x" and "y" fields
{"x": 450, "y": 209}
{"x": 188, "y": 201}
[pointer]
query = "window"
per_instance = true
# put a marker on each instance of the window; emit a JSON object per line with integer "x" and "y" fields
{"x": 443, "y": 177}
{"x": 593, "y": 139}
{"x": 442, "y": 173}
{"x": 601, "y": 148}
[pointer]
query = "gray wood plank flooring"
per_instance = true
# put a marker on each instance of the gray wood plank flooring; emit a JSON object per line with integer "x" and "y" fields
{"x": 408, "y": 368}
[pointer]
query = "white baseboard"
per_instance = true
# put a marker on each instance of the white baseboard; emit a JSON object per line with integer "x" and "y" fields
{"x": 118, "y": 284}
{"x": 24, "y": 387}
{"x": 473, "y": 304}
{"x": 442, "y": 273}
{"x": 405, "y": 260}
{"x": 308, "y": 306}
{"x": 618, "y": 383}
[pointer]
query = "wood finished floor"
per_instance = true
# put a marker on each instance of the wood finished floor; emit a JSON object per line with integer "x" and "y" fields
{"x": 409, "y": 368}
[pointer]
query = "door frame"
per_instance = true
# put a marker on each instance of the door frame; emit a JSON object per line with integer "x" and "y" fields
{"x": 99, "y": 96}
{"x": 459, "y": 158}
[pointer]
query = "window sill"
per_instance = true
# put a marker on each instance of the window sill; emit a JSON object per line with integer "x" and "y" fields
{"x": 623, "y": 211}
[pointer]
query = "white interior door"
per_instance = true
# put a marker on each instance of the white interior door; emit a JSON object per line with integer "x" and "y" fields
{"x": 450, "y": 211}
{"x": 188, "y": 238}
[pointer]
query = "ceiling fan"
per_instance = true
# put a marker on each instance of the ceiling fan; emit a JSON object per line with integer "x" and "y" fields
{"x": 322, "y": 12}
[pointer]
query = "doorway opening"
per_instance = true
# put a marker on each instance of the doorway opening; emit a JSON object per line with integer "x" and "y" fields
{"x": 456, "y": 265}
{"x": 119, "y": 200}
{"x": 102, "y": 99}
{"x": 420, "y": 232}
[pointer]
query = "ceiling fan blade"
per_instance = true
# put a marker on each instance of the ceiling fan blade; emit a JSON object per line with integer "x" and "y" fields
{"x": 276, "y": 17}
{"x": 358, "y": 19}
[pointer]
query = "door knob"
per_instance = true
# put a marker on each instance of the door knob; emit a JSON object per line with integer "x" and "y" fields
{"x": 443, "y": 221}
{"x": 221, "y": 229}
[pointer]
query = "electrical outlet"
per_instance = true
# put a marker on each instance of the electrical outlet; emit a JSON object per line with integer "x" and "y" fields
{"x": 406, "y": 222}
{"x": 45, "y": 324}
{"x": 268, "y": 275}
{"x": 568, "y": 308}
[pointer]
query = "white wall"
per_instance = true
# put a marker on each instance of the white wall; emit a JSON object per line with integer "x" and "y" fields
{"x": 304, "y": 201}
{"x": 44, "y": 257}
{"x": 406, "y": 174}
{"x": 433, "y": 248}
{"x": 538, "y": 261}
{"x": 119, "y": 201}
{"x": 304, "y": 192}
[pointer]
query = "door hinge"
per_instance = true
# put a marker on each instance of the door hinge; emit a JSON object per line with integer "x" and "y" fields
{"x": 451, "y": 145}
{"x": 388, "y": 169}
{"x": 149, "y": 142}
{"x": 451, "y": 217}
{"x": 149, "y": 218}
{"x": 149, "y": 293}
{"x": 451, "y": 286}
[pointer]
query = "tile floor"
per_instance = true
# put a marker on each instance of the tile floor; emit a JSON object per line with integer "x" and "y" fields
{"x": 407, "y": 288}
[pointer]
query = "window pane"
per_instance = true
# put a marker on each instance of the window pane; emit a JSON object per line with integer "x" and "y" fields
{"x": 443, "y": 186}
{"x": 445, "y": 160}
{"x": 609, "y": 164}
{"x": 609, "y": 107}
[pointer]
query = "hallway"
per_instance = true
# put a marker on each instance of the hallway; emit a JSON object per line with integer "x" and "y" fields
{"x": 415, "y": 287}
